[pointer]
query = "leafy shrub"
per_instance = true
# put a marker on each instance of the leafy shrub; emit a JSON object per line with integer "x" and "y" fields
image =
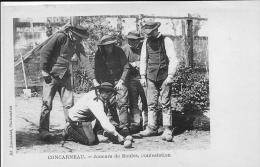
{"x": 191, "y": 91}
{"x": 97, "y": 27}
{"x": 82, "y": 83}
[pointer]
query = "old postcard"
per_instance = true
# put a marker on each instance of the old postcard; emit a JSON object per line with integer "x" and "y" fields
{"x": 130, "y": 83}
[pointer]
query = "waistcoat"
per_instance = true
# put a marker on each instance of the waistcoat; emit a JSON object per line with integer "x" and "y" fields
{"x": 157, "y": 66}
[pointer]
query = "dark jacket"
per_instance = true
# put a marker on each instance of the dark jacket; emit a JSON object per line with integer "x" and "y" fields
{"x": 111, "y": 68}
{"x": 55, "y": 55}
{"x": 158, "y": 62}
{"x": 132, "y": 56}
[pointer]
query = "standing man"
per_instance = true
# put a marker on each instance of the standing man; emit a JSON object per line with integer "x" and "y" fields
{"x": 133, "y": 50}
{"x": 55, "y": 58}
{"x": 91, "y": 109}
{"x": 157, "y": 67}
{"x": 111, "y": 66}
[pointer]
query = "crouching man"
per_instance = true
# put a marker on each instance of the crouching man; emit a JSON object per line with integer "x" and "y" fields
{"x": 90, "y": 112}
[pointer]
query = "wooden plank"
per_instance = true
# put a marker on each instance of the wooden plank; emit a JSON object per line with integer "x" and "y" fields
{"x": 170, "y": 17}
{"x": 190, "y": 42}
{"x": 149, "y": 16}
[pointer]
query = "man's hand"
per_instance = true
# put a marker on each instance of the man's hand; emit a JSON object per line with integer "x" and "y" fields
{"x": 135, "y": 64}
{"x": 120, "y": 138}
{"x": 143, "y": 81}
{"x": 119, "y": 85}
{"x": 168, "y": 80}
{"x": 46, "y": 77}
{"x": 95, "y": 83}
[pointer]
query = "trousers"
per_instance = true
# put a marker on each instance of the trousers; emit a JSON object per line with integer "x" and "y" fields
{"x": 135, "y": 90}
{"x": 158, "y": 91}
{"x": 118, "y": 108}
{"x": 64, "y": 87}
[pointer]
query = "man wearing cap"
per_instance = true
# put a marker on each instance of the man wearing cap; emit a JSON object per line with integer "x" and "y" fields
{"x": 55, "y": 57}
{"x": 158, "y": 64}
{"x": 111, "y": 66}
{"x": 133, "y": 50}
{"x": 88, "y": 114}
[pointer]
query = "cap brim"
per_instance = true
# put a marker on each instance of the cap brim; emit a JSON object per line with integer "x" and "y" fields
{"x": 109, "y": 89}
{"x": 133, "y": 37}
{"x": 81, "y": 35}
{"x": 107, "y": 43}
{"x": 148, "y": 31}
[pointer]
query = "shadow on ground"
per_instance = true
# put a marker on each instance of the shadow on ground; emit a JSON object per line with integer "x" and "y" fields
{"x": 31, "y": 138}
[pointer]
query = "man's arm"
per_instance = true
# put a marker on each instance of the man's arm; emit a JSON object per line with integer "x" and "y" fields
{"x": 124, "y": 63}
{"x": 48, "y": 50}
{"x": 98, "y": 110}
{"x": 143, "y": 60}
{"x": 96, "y": 71}
{"x": 171, "y": 53}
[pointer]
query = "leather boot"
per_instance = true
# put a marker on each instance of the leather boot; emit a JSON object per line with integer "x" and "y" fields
{"x": 167, "y": 135}
{"x": 148, "y": 132}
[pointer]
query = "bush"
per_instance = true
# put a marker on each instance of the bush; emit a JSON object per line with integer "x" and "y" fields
{"x": 82, "y": 83}
{"x": 191, "y": 91}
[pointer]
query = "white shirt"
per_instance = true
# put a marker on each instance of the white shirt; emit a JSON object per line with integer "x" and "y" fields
{"x": 87, "y": 103}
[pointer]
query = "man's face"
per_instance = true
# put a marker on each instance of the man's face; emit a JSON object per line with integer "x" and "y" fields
{"x": 153, "y": 34}
{"x": 76, "y": 38}
{"x": 106, "y": 94}
{"x": 108, "y": 48}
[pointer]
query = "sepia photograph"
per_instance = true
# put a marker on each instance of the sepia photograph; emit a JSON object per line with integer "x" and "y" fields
{"x": 109, "y": 80}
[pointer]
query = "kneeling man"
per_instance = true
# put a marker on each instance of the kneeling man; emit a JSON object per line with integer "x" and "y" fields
{"x": 88, "y": 113}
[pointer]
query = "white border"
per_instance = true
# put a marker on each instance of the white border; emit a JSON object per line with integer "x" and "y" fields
{"x": 234, "y": 40}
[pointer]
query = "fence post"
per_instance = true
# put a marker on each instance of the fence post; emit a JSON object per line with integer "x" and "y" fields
{"x": 119, "y": 30}
{"x": 190, "y": 41}
{"x": 184, "y": 39}
{"x": 139, "y": 20}
{"x": 75, "y": 20}
{"x": 32, "y": 31}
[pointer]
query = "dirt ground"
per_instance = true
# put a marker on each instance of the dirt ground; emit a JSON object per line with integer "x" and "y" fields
{"x": 27, "y": 120}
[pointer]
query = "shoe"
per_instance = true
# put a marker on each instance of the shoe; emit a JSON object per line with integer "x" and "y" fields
{"x": 167, "y": 135}
{"x": 134, "y": 129}
{"x": 45, "y": 135}
{"x": 148, "y": 132}
{"x": 160, "y": 130}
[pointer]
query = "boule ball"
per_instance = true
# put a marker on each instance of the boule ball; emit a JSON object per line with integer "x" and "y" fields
{"x": 168, "y": 138}
{"x": 130, "y": 138}
{"x": 127, "y": 144}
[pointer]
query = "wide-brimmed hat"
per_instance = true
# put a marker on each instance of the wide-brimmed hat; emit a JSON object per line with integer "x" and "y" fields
{"x": 107, "y": 39}
{"x": 80, "y": 31}
{"x": 134, "y": 35}
{"x": 150, "y": 26}
{"x": 106, "y": 86}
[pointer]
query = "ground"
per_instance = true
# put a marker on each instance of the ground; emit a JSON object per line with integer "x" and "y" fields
{"x": 27, "y": 121}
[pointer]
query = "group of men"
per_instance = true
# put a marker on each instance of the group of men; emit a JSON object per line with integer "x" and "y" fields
{"x": 144, "y": 68}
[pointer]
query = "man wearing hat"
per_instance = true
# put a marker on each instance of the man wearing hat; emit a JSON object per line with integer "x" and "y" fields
{"x": 55, "y": 57}
{"x": 111, "y": 66}
{"x": 158, "y": 64}
{"x": 88, "y": 114}
{"x": 133, "y": 50}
